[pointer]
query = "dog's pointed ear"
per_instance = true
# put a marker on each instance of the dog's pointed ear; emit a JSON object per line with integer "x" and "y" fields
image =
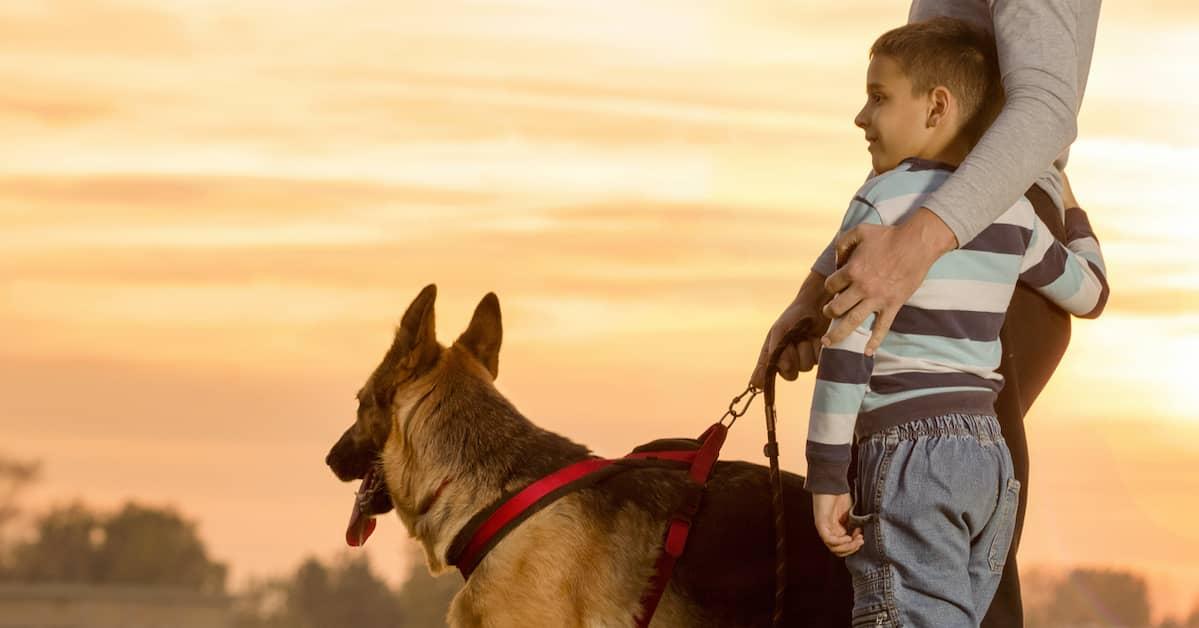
{"x": 416, "y": 330}
{"x": 483, "y": 336}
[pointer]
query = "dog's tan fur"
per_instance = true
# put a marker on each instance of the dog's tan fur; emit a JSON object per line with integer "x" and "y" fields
{"x": 436, "y": 421}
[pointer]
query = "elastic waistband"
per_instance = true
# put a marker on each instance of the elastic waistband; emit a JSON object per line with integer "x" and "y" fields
{"x": 984, "y": 427}
{"x": 967, "y": 402}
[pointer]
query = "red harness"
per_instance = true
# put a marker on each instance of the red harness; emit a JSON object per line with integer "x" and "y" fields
{"x": 476, "y": 539}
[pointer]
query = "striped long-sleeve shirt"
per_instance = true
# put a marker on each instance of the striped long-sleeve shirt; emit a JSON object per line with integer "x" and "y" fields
{"x": 943, "y": 350}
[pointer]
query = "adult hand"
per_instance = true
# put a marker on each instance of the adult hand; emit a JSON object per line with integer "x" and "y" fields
{"x": 800, "y": 356}
{"x": 880, "y": 267}
{"x": 831, "y": 512}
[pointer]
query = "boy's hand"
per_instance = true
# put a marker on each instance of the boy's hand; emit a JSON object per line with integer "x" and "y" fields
{"x": 831, "y": 513}
{"x": 801, "y": 356}
{"x": 880, "y": 267}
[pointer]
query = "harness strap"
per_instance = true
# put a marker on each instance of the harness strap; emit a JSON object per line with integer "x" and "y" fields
{"x": 680, "y": 523}
{"x": 513, "y": 507}
{"x": 490, "y": 526}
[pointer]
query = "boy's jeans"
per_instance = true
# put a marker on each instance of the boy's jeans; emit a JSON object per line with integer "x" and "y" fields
{"x": 936, "y": 500}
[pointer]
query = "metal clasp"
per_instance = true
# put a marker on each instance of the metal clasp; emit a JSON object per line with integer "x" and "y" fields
{"x": 733, "y": 413}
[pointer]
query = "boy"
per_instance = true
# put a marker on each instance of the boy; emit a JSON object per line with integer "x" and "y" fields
{"x": 935, "y": 493}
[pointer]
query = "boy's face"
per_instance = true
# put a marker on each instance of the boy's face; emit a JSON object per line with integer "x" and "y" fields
{"x": 894, "y": 120}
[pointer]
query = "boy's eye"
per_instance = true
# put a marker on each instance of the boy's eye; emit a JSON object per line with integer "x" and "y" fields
{"x": 876, "y": 98}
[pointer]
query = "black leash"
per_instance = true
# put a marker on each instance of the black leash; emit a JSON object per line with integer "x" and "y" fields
{"x": 801, "y": 330}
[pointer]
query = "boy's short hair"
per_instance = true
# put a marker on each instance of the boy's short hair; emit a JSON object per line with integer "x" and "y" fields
{"x": 950, "y": 52}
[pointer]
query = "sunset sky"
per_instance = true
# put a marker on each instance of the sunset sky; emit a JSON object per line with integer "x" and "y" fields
{"x": 212, "y": 214}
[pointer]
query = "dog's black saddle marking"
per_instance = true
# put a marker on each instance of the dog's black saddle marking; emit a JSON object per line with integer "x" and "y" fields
{"x": 669, "y": 444}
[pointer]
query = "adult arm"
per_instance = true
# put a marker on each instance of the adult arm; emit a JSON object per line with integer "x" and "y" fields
{"x": 1038, "y": 60}
{"x": 1038, "y": 57}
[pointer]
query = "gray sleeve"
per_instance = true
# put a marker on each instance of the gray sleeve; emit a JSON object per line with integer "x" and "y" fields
{"x": 1039, "y": 60}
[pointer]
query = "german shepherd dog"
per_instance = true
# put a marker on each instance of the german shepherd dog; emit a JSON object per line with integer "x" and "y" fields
{"x": 447, "y": 444}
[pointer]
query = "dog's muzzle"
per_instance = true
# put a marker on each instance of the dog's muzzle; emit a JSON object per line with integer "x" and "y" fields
{"x": 350, "y": 462}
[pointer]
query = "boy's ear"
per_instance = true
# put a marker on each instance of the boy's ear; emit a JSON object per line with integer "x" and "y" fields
{"x": 483, "y": 336}
{"x": 940, "y": 100}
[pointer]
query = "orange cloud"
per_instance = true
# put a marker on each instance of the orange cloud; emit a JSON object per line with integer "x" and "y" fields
{"x": 66, "y": 27}
{"x": 171, "y": 198}
{"x": 52, "y": 112}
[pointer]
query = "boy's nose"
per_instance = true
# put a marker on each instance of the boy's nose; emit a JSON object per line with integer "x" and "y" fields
{"x": 860, "y": 120}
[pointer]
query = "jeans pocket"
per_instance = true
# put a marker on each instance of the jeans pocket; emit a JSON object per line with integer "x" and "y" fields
{"x": 872, "y": 457}
{"x": 859, "y": 511}
{"x": 860, "y": 521}
{"x": 1005, "y": 526}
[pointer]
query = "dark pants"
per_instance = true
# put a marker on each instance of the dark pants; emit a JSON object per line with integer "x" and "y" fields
{"x": 1034, "y": 338}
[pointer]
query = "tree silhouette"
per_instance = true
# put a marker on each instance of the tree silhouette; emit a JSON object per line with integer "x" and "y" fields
{"x": 64, "y": 549}
{"x": 1191, "y": 621}
{"x": 141, "y": 545}
{"x": 15, "y": 475}
{"x": 138, "y": 545}
{"x": 425, "y": 599}
{"x": 346, "y": 593}
{"x": 1095, "y": 597}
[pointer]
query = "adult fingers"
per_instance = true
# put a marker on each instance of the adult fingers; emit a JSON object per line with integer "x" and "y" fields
{"x": 788, "y": 365}
{"x": 808, "y": 353}
{"x": 847, "y": 243}
{"x": 757, "y": 379}
{"x": 844, "y": 326}
{"x": 837, "y": 282}
{"x": 882, "y": 325}
{"x": 843, "y": 302}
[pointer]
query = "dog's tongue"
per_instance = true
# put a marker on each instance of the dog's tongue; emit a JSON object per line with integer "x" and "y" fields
{"x": 361, "y": 523}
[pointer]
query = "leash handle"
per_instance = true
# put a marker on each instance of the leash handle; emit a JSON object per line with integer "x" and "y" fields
{"x": 802, "y": 329}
